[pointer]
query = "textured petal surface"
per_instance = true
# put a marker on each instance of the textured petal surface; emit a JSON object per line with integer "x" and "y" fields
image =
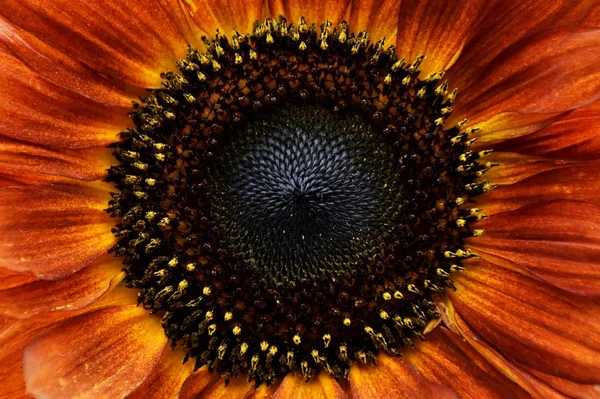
{"x": 28, "y": 161}
{"x": 165, "y": 380}
{"x": 443, "y": 357}
{"x": 525, "y": 318}
{"x": 553, "y": 71}
{"x": 238, "y": 388}
{"x": 36, "y": 111}
{"x": 394, "y": 378}
{"x": 380, "y": 18}
{"x": 314, "y": 11}
{"x": 74, "y": 292}
{"x": 507, "y": 22}
{"x": 436, "y": 29}
{"x": 536, "y": 388}
{"x": 576, "y": 136}
{"x": 576, "y": 182}
{"x": 122, "y": 40}
{"x": 15, "y": 335}
{"x": 60, "y": 69}
{"x": 559, "y": 241}
{"x": 323, "y": 386}
{"x": 568, "y": 388}
{"x": 54, "y": 230}
{"x": 224, "y": 15}
{"x": 195, "y": 384}
{"x": 106, "y": 353}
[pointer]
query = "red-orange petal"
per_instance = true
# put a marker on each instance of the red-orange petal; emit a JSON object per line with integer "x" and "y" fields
{"x": 130, "y": 41}
{"x": 509, "y": 125}
{"x": 35, "y": 111}
{"x": 60, "y": 69}
{"x": 573, "y": 181}
{"x": 237, "y": 388}
{"x": 394, "y": 378}
{"x": 576, "y": 137}
{"x": 436, "y": 29}
{"x": 15, "y": 335}
{"x": 569, "y": 388}
{"x": 323, "y": 386}
{"x": 314, "y": 11}
{"x": 446, "y": 359}
{"x": 558, "y": 241}
{"x": 505, "y": 23}
{"x": 165, "y": 380}
{"x": 224, "y": 15}
{"x": 71, "y": 293}
{"x": 553, "y": 71}
{"x": 197, "y": 382}
{"x": 515, "y": 167}
{"x": 380, "y": 18}
{"x": 504, "y": 365}
{"x": 22, "y": 160}
{"x": 106, "y": 353}
{"x": 54, "y": 231}
{"x": 524, "y": 318}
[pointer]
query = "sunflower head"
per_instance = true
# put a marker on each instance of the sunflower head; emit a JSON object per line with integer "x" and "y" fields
{"x": 342, "y": 199}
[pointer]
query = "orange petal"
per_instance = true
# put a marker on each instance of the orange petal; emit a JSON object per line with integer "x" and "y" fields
{"x": 53, "y": 231}
{"x": 197, "y": 382}
{"x": 506, "y": 366}
{"x": 559, "y": 241}
{"x": 568, "y": 388}
{"x": 106, "y": 353}
{"x": 74, "y": 292}
{"x": 525, "y": 318}
{"x": 36, "y": 111}
{"x": 323, "y": 386}
{"x": 314, "y": 11}
{"x": 237, "y": 388}
{"x": 394, "y": 378}
{"x": 264, "y": 392}
{"x": 62, "y": 70}
{"x": 436, "y": 29}
{"x": 515, "y": 167}
{"x": 446, "y": 359}
{"x": 505, "y": 23}
{"x": 573, "y": 137}
{"x": 380, "y": 18}
{"x": 572, "y": 181}
{"x": 224, "y": 15}
{"x": 553, "y": 71}
{"x": 592, "y": 18}
{"x": 15, "y": 335}
{"x": 129, "y": 41}
{"x": 21, "y": 160}
{"x": 509, "y": 125}
{"x": 165, "y": 380}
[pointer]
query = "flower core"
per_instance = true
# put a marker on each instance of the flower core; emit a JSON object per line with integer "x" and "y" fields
{"x": 290, "y": 201}
{"x": 304, "y": 194}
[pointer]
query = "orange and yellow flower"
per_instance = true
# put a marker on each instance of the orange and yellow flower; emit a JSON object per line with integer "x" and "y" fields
{"x": 524, "y": 320}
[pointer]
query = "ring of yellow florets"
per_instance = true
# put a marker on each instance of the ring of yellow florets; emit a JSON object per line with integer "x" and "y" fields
{"x": 224, "y": 313}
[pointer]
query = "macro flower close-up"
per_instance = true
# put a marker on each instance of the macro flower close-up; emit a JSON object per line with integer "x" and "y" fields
{"x": 300, "y": 199}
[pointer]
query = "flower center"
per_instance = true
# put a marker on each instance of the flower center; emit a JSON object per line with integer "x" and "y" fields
{"x": 290, "y": 201}
{"x": 304, "y": 194}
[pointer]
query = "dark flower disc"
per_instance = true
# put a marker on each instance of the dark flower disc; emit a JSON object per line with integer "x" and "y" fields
{"x": 290, "y": 201}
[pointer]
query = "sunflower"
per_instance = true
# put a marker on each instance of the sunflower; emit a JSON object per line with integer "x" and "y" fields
{"x": 328, "y": 199}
